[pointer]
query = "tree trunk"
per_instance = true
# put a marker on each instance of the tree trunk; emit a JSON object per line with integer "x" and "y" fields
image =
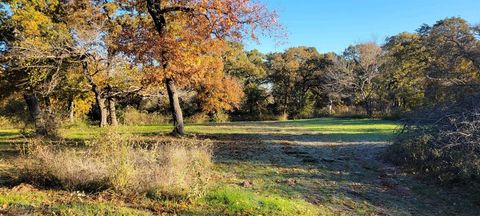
{"x": 71, "y": 111}
{"x": 476, "y": 60}
{"x": 103, "y": 110}
{"x": 113, "y": 112}
{"x": 368, "y": 108}
{"x": 175, "y": 108}
{"x": 155, "y": 10}
{"x": 330, "y": 106}
{"x": 285, "y": 104}
{"x": 35, "y": 113}
{"x": 98, "y": 97}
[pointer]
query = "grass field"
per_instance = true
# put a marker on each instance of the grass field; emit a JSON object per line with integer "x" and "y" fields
{"x": 337, "y": 129}
{"x": 305, "y": 167}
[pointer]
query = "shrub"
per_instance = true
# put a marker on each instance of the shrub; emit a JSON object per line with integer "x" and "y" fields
{"x": 443, "y": 143}
{"x": 307, "y": 110}
{"x": 198, "y": 118}
{"x": 132, "y": 116}
{"x": 171, "y": 169}
{"x": 324, "y": 112}
{"x": 282, "y": 117}
{"x": 342, "y": 111}
{"x": 220, "y": 117}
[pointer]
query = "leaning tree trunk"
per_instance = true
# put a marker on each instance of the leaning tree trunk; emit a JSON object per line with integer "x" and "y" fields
{"x": 113, "y": 112}
{"x": 158, "y": 16}
{"x": 98, "y": 97}
{"x": 178, "y": 128}
{"x": 35, "y": 113}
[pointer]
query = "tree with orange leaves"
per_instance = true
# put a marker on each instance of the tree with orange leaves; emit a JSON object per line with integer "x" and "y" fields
{"x": 180, "y": 39}
{"x": 217, "y": 92}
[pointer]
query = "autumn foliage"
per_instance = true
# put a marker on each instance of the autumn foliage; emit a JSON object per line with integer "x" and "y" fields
{"x": 132, "y": 47}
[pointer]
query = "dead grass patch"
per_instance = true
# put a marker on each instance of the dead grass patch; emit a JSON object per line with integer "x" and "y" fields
{"x": 175, "y": 168}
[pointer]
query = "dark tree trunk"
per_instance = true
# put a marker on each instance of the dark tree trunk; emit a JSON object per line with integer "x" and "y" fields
{"x": 368, "y": 108}
{"x": 476, "y": 60}
{"x": 113, "y": 112}
{"x": 158, "y": 15}
{"x": 98, "y": 97}
{"x": 175, "y": 108}
{"x": 35, "y": 113}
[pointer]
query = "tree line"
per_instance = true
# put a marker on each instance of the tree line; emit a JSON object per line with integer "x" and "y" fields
{"x": 185, "y": 58}
{"x": 435, "y": 65}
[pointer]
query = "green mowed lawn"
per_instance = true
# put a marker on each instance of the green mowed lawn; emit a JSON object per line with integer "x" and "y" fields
{"x": 261, "y": 168}
{"x": 333, "y": 129}
{"x": 8, "y": 136}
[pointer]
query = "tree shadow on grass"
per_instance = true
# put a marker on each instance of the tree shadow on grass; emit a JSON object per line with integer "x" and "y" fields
{"x": 326, "y": 167}
{"x": 308, "y": 137}
{"x": 9, "y": 137}
{"x": 318, "y": 121}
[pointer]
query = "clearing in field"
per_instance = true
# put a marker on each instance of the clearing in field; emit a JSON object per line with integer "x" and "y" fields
{"x": 304, "y": 167}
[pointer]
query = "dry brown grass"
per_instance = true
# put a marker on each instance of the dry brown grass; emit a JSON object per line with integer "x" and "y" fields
{"x": 175, "y": 168}
{"x": 132, "y": 116}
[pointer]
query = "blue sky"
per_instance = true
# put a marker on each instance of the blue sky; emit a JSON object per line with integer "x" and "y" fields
{"x": 332, "y": 25}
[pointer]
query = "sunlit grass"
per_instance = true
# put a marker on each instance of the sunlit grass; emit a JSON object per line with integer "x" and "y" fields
{"x": 270, "y": 193}
{"x": 239, "y": 201}
{"x": 9, "y": 135}
{"x": 334, "y": 129}
{"x": 55, "y": 203}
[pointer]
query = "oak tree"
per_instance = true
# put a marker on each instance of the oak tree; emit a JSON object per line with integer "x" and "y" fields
{"x": 169, "y": 36}
{"x": 365, "y": 59}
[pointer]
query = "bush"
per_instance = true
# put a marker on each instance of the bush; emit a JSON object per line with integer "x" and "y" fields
{"x": 282, "y": 117}
{"x": 324, "y": 112}
{"x": 220, "y": 117}
{"x": 342, "y": 111}
{"x": 198, "y": 118}
{"x": 132, "y": 116}
{"x": 177, "y": 169}
{"x": 443, "y": 143}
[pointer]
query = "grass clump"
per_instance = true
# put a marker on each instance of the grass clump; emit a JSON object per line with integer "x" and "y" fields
{"x": 238, "y": 201}
{"x": 170, "y": 169}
